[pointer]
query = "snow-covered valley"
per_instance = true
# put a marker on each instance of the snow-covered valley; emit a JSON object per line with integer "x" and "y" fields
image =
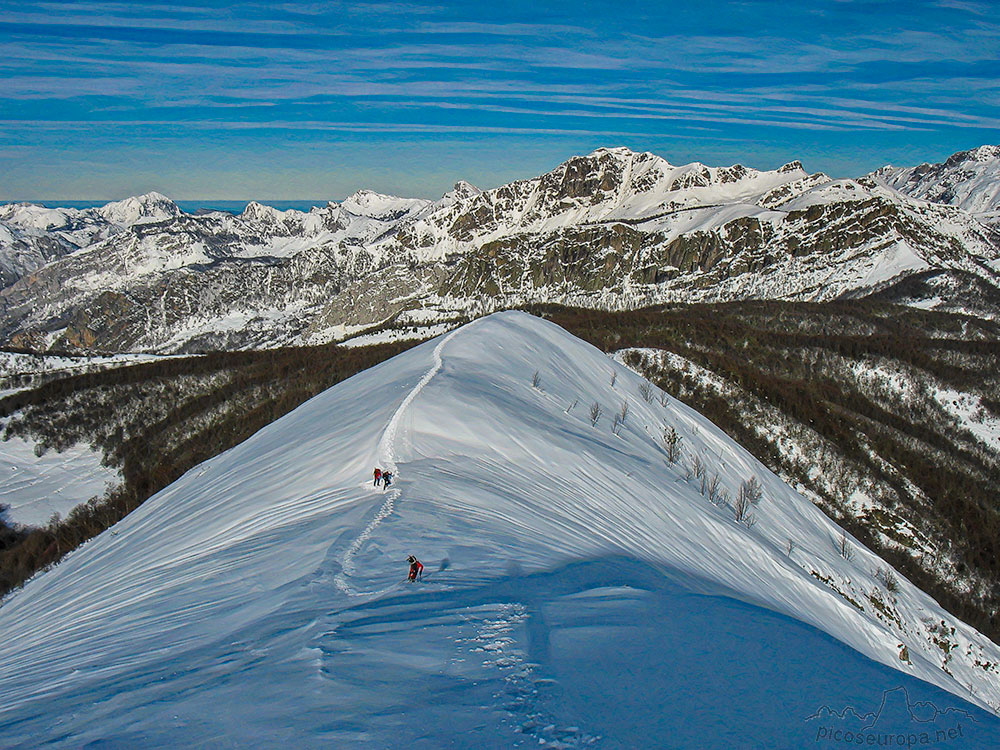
{"x": 581, "y": 589}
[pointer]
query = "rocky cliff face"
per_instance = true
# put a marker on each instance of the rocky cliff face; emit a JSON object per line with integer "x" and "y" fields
{"x": 613, "y": 229}
{"x": 968, "y": 179}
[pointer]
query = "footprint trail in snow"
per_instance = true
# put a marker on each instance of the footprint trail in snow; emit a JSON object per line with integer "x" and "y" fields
{"x": 386, "y": 453}
{"x": 523, "y": 692}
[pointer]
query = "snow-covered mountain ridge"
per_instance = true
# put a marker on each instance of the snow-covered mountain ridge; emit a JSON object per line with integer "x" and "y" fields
{"x": 33, "y": 235}
{"x": 968, "y": 179}
{"x": 612, "y": 229}
{"x": 258, "y": 600}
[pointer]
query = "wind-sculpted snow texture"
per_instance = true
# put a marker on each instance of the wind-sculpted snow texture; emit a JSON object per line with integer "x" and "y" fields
{"x": 580, "y": 591}
{"x": 613, "y": 229}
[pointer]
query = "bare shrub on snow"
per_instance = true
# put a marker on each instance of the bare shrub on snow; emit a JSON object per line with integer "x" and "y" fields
{"x": 844, "y": 548}
{"x": 714, "y": 487}
{"x": 672, "y": 442}
{"x": 595, "y": 414}
{"x": 887, "y": 578}
{"x": 698, "y": 467}
{"x": 742, "y": 509}
{"x": 752, "y": 490}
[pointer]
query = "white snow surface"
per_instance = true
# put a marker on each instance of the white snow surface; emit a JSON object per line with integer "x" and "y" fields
{"x": 968, "y": 179}
{"x": 379, "y": 206}
{"x": 396, "y": 334}
{"x": 969, "y": 413}
{"x": 257, "y": 600}
{"x": 34, "y": 487}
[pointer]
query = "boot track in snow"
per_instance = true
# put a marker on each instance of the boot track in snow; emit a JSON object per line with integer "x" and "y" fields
{"x": 386, "y": 453}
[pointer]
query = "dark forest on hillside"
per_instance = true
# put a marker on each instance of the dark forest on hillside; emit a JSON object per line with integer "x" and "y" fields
{"x": 823, "y": 377}
{"x": 793, "y": 369}
{"x": 156, "y": 421}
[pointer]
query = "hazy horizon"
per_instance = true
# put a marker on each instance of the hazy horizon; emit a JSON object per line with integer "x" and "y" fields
{"x": 228, "y": 204}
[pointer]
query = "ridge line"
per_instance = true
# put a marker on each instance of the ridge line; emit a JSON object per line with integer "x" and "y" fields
{"x": 386, "y": 456}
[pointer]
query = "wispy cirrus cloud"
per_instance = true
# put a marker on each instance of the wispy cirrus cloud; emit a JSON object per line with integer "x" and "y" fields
{"x": 968, "y": 6}
{"x": 314, "y": 126}
{"x": 760, "y": 71}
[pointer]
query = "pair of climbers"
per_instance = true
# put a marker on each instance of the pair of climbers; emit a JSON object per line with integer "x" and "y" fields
{"x": 382, "y": 477}
{"x": 416, "y": 567}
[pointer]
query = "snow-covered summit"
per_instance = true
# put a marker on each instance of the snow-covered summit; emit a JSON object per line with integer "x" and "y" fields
{"x": 139, "y": 209}
{"x": 260, "y": 215}
{"x": 124, "y": 213}
{"x": 379, "y": 206}
{"x": 579, "y": 584}
{"x": 968, "y": 179}
{"x": 33, "y": 216}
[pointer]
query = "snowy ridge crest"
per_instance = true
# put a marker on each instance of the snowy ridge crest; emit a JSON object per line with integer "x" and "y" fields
{"x": 553, "y": 534}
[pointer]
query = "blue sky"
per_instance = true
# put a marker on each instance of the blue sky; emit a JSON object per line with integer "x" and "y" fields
{"x": 316, "y": 99}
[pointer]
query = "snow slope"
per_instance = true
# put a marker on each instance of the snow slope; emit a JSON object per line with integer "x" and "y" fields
{"x": 34, "y": 487}
{"x": 968, "y": 179}
{"x": 580, "y": 591}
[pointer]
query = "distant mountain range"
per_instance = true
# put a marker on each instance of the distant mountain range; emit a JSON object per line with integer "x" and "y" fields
{"x": 614, "y": 229}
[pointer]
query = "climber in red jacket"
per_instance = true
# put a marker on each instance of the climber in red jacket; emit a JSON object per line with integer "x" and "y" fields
{"x": 416, "y": 569}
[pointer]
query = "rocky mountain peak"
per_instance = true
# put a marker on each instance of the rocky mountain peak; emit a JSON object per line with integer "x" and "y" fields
{"x": 606, "y": 174}
{"x": 967, "y": 179}
{"x": 463, "y": 189}
{"x": 618, "y": 151}
{"x": 985, "y": 153}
